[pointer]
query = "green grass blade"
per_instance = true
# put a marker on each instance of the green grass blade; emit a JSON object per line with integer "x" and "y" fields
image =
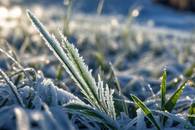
{"x": 170, "y": 104}
{"x": 118, "y": 87}
{"x": 163, "y": 89}
{"x": 191, "y": 113}
{"x": 146, "y": 111}
{"x": 163, "y": 95}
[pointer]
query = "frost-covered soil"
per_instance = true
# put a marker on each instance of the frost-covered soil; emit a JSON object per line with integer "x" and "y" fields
{"x": 139, "y": 52}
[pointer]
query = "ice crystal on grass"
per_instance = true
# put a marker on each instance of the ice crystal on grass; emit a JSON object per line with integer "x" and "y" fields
{"x": 51, "y": 94}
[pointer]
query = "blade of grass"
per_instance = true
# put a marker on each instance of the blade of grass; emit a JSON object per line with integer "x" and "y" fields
{"x": 80, "y": 66}
{"x": 16, "y": 62}
{"x": 146, "y": 111}
{"x": 66, "y": 28}
{"x": 100, "y": 7}
{"x": 116, "y": 81}
{"x": 170, "y": 104}
{"x": 163, "y": 89}
{"x": 13, "y": 88}
{"x": 191, "y": 113}
{"x": 163, "y": 96}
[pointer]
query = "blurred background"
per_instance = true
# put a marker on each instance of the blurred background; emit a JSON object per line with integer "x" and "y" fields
{"x": 177, "y": 14}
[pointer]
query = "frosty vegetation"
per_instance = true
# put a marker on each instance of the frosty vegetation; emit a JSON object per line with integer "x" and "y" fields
{"x": 34, "y": 102}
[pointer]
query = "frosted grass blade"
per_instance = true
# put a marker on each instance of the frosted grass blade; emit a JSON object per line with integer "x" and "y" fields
{"x": 146, "y": 111}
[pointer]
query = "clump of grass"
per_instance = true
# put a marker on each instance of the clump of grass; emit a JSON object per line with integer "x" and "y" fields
{"x": 166, "y": 105}
{"x": 96, "y": 93}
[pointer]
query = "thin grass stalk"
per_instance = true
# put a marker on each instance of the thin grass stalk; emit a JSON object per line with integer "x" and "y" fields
{"x": 13, "y": 88}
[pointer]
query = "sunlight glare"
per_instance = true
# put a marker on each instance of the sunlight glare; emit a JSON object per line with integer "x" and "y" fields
{"x": 3, "y": 12}
{"x": 135, "y": 13}
{"x": 15, "y": 12}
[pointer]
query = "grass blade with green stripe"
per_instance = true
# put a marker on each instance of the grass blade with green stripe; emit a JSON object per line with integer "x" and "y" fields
{"x": 163, "y": 89}
{"x": 146, "y": 111}
{"x": 191, "y": 113}
{"x": 170, "y": 104}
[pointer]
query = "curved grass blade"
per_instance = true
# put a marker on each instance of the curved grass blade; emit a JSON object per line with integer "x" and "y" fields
{"x": 13, "y": 88}
{"x": 146, "y": 111}
{"x": 90, "y": 112}
{"x": 170, "y": 104}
